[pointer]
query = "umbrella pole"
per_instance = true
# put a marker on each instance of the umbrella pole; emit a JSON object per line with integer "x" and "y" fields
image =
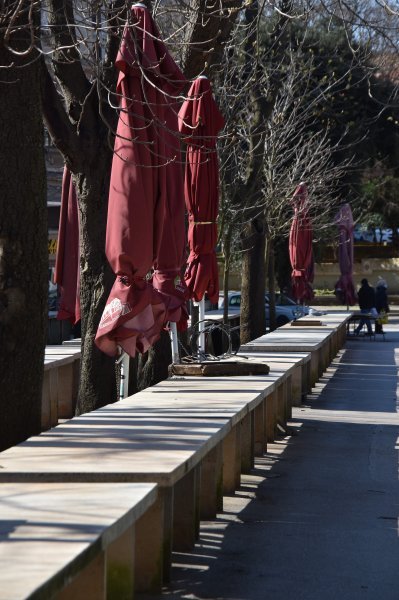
{"x": 125, "y": 374}
{"x": 174, "y": 343}
{"x": 201, "y": 326}
{"x": 124, "y": 361}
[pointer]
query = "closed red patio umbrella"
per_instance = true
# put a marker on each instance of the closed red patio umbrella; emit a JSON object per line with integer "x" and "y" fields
{"x": 148, "y": 79}
{"x": 300, "y": 247}
{"x": 167, "y": 278}
{"x": 344, "y": 288}
{"x": 67, "y": 271}
{"x": 200, "y": 121}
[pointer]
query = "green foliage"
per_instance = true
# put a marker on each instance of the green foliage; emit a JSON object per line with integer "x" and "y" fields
{"x": 381, "y": 202}
{"x": 354, "y": 102}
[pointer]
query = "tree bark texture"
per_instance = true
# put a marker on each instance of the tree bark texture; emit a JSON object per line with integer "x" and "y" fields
{"x": 76, "y": 127}
{"x": 153, "y": 365}
{"x": 226, "y": 273}
{"x": 270, "y": 261}
{"x": 211, "y": 29}
{"x": 89, "y": 157}
{"x": 253, "y": 235}
{"x": 97, "y": 381}
{"x": 23, "y": 241}
{"x": 282, "y": 265}
{"x": 253, "y": 321}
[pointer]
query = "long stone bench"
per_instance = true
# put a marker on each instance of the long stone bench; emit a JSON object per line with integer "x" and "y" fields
{"x": 60, "y": 384}
{"x": 183, "y": 434}
{"x": 297, "y": 364}
{"x": 309, "y": 342}
{"x": 254, "y": 405}
{"x": 290, "y": 371}
{"x": 321, "y": 342}
{"x": 334, "y": 322}
{"x": 193, "y": 436}
{"x": 110, "y": 445}
{"x": 74, "y": 540}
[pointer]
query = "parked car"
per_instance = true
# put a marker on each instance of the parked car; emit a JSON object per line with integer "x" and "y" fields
{"x": 286, "y": 309}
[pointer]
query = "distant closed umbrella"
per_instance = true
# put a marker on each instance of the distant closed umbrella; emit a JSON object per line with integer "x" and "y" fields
{"x": 300, "y": 247}
{"x": 148, "y": 77}
{"x": 344, "y": 288}
{"x": 67, "y": 272}
{"x": 200, "y": 121}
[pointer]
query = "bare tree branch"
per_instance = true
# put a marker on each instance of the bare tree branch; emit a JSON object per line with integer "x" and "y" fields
{"x": 62, "y": 132}
{"x": 210, "y": 30}
{"x": 67, "y": 60}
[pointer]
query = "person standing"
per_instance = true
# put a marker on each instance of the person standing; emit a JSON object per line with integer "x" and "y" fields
{"x": 381, "y": 301}
{"x": 366, "y": 299}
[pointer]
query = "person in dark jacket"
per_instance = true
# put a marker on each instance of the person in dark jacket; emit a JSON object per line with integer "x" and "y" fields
{"x": 381, "y": 301}
{"x": 366, "y": 298}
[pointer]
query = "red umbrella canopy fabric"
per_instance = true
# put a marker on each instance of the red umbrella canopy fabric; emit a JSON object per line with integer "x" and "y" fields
{"x": 200, "y": 121}
{"x": 67, "y": 271}
{"x": 148, "y": 77}
{"x": 167, "y": 278}
{"x": 344, "y": 288}
{"x": 300, "y": 247}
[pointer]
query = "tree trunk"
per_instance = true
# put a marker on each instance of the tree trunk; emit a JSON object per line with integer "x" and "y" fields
{"x": 253, "y": 321}
{"x": 271, "y": 285}
{"x": 283, "y": 264}
{"x": 194, "y": 315}
{"x": 153, "y": 365}
{"x": 23, "y": 244}
{"x": 226, "y": 274}
{"x": 97, "y": 383}
{"x": 76, "y": 125}
{"x": 210, "y": 28}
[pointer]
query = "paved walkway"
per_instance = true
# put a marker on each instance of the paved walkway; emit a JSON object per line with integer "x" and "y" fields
{"x": 318, "y": 517}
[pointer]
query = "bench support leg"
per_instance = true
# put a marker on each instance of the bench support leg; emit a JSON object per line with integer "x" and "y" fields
{"x": 232, "y": 461}
{"x": 65, "y": 392}
{"x": 308, "y": 379}
{"x": 185, "y": 513}
{"x": 270, "y": 416}
{"x": 247, "y": 443}
{"x": 288, "y": 398}
{"x": 89, "y": 584}
{"x": 260, "y": 429}
{"x": 50, "y": 399}
{"x": 211, "y": 490}
{"x": 120, "y": 566}
{"x": 281, "y": 402}
{"x": 314, "y": 368}
{"x": 153, "y": 553}
{"x": 326, "y": 356}
{"x": 297, "y": 386}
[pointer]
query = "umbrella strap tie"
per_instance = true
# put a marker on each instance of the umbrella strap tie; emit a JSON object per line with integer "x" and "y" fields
{"x": 204, "y": 222}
